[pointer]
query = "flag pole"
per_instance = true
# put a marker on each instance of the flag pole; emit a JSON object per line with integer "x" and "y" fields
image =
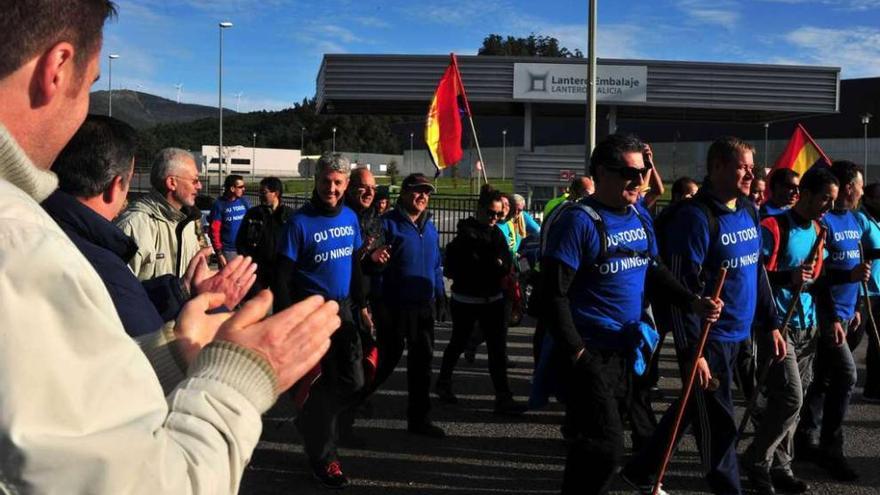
{"x": 467, "y": 107}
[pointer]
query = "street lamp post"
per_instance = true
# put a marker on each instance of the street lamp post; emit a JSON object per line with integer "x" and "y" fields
{"x": 504, "y": 154}
{"x": 254, "y": 156}
{"x": 766, "y": 136}
{"x": 223, "y": 25}
{"x": 866, "y": 119}
{"x": 110, "y": 58}
{"x": 412, "y": 157}
{"x": 334, "y": 139}
{"x": 302, "y": 139}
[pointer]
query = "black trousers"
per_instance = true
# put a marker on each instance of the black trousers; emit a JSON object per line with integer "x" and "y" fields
{"x": 413, "y": 327}
{"x": 491, "y": 317}
{"x": 340, "y": 384}
{"x": 597, "y": 386}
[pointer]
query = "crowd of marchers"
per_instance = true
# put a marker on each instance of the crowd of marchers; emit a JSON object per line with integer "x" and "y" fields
{"x": 142, "y": 342}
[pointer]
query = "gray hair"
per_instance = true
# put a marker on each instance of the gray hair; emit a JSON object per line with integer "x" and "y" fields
{"x": 168, "y": 161}
{"x": 517, "y": 198}
{"x": 333, "y": 162}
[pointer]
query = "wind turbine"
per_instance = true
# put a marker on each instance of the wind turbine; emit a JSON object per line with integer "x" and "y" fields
{"x": 179, "y": 88}
{"x": 238, "y": 100}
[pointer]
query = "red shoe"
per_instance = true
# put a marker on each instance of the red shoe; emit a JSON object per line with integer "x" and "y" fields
{"x": 330, "y": 475}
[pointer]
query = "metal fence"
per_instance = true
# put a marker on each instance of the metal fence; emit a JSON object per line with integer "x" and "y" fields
{"x": 446, "y": 210}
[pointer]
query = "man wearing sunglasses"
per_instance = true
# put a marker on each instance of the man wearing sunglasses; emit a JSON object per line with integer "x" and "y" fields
{"x": 225, "y": 218}
{"x": 784, "y": 187}
{"x": 599, "y": 258}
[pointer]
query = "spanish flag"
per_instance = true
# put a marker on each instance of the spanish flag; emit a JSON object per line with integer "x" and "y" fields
{"x": 443, "y": 125}
{"x": 801, "y": 153}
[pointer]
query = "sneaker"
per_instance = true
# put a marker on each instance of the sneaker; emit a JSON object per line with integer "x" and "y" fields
{"x": 444, "y": 393}
{"x": 427, "y": 429}
{"x": 806, "y": 450}
{"x": 642, "y": 486}
{"x": 760, "y": 479}
{"x": 786, "y": 482}
{"x": 509, "y": 407}
{"x": 838, "y": 467}
{"x": 330, "y": 475}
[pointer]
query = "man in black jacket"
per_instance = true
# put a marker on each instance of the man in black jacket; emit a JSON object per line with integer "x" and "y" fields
{"x": 94, "y": 172}
{"x": 260, "y": 231}
{"x": 477, "y": 260}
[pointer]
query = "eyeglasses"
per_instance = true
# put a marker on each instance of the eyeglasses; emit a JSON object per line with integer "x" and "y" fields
{"x": 499, "y": 214}
{"x": 791, "y": 187}
{"x": 239, "y": 187}
{"x": 630, "y": 173}
{"x": 366, "y": 188}
{"x": 194, "y": 181}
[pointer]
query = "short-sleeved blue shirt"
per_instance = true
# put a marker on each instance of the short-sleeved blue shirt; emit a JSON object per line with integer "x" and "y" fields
{"x": 871, "y": 240}
{"x": 613, "y": 289}
{"x": 800, "y": 242}
{"x": 844, "y": 234}
{"x": 321, "y": 248}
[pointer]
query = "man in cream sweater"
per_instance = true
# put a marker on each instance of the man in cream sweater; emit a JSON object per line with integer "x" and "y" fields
{"x": 82, "y": 406}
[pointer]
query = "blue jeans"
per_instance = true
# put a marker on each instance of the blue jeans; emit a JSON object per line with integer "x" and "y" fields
{"x": 828, "y": 396}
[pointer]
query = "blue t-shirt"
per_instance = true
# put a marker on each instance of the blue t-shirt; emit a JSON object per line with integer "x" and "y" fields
{"x": 614, "y": 289}
{"x": 871, "y": 240}
{"x": 844, "y": 234}
{"x": 229, "y": 212}
{"x": 800, "y": 242}
{"x": 321, "y": 248}
{"x": 737, "y": 247}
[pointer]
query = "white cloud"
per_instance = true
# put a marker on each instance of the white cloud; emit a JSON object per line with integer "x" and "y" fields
{"x": 722, "y": 13}
{"x": 854, "y": 49}
{"x": 372, "y": 22}
{"x": 852, "y": 5}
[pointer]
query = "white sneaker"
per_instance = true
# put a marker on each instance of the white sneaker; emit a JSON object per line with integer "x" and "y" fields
{"x": 643, "y": 489}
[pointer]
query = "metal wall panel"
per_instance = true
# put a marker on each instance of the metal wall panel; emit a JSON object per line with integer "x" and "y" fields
{"x": 349, "y": 81}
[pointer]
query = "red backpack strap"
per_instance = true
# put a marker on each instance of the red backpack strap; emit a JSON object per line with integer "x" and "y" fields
{"x": 772, "y": 262}
{"x": 817, "y": 269}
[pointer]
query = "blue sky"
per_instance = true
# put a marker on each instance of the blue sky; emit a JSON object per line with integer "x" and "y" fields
{"x": 273, "y": 52}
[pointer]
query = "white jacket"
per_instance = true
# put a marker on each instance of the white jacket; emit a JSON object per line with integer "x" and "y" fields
{"x": 81, "y": 407}
{"x": 153, "y": 224}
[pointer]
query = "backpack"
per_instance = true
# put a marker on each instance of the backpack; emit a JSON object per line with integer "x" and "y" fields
{"x": 587, "y": 205}
{"x": 780, "y": 226}
{"x": 702, "y": 202}
{"x": 535, "y": 306}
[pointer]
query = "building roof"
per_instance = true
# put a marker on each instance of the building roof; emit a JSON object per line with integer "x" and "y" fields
{"x": 676, "y": 91}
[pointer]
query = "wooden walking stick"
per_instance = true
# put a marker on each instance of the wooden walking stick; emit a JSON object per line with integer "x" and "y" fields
{"x": 870, "y": 310}
{"x": 783, "y": 329}
{"x": 686, "y": 392}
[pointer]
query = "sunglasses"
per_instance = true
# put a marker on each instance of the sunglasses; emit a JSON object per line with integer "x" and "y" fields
{"x": 630, "y": 173}
{"x": 497, "y": 214}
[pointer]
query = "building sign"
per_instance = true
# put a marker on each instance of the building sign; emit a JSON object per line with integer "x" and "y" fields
{"x": 568, "y": 82}
{"x": 567, "y": 175}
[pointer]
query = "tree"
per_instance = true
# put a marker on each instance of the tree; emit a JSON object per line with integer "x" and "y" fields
{"x": 392, "y": 171}
{"x": 532, "y": 46}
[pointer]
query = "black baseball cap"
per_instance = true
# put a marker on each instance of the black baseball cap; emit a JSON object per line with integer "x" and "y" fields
{"x": 415, "y": 181}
